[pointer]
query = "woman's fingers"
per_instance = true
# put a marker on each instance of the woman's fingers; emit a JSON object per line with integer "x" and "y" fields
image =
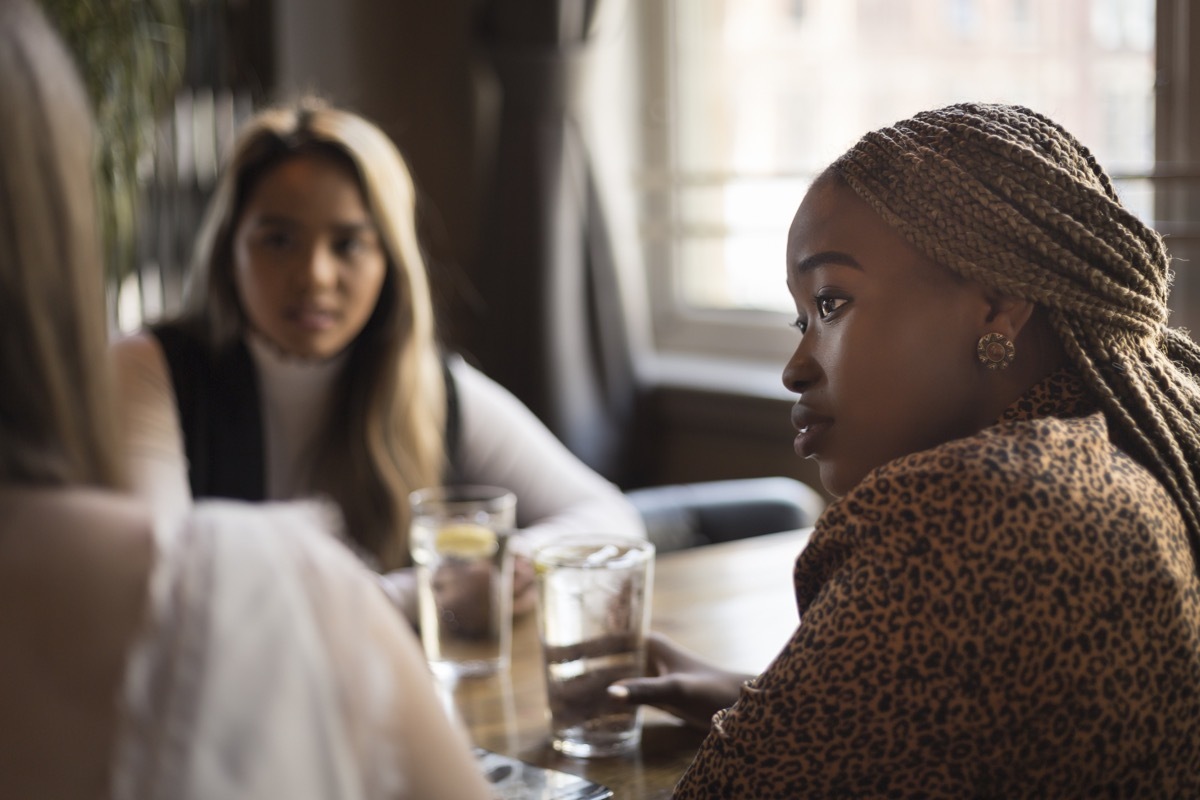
{"x": 676, "y": 695}
{"x": 647, "y": 691}
{"x": 524, "y": 587}
{"x": 680, "y": 683}
{"x": 524, "y": 599}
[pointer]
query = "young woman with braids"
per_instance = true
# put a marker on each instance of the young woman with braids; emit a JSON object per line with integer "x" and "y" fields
{"x": 1004, "y": 600}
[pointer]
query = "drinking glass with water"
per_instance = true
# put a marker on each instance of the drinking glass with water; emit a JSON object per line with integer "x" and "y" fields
{"x": 593, "y": 613}
{"x": 459, "y": 541}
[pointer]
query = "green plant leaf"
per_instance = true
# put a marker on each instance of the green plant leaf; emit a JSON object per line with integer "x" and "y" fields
{"x": 130, "y": 56}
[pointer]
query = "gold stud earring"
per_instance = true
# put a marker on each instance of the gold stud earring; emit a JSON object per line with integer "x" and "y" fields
{"x": 995, "y": 351}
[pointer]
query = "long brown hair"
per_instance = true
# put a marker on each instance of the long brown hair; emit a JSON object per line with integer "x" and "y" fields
{"x": 1006, "y": 197}
{"x": 56, "y": 413}
{"x": 384, "y": 435}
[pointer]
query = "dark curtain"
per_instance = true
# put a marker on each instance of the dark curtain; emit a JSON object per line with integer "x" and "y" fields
{"x": 550, "y": 324}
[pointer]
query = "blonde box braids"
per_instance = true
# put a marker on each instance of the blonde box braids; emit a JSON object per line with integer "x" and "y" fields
{"x": 1006, "y": 197}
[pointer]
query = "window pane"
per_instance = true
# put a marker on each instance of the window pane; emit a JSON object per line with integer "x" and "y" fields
{"x": 768, "y": 92}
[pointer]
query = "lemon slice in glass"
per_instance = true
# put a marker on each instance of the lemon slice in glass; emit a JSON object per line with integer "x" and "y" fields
{"x": 465, "y": 540}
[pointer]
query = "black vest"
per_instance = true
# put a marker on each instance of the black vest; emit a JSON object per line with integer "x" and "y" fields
{"x": 218, "y": 401}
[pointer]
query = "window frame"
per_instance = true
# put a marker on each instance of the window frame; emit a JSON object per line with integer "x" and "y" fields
{"x": 753, "y": 335}
{"x": 764, "y": 337}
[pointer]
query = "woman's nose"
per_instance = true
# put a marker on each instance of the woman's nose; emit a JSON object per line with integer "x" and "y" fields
{"x": 801, "y": 370}
{"x": 320, "y": 268}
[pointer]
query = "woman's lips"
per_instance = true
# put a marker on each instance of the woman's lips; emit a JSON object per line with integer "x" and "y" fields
{"x": 809, "y": 437}
{"x": 313, "y": 319}
{"x": 811, "y": 426}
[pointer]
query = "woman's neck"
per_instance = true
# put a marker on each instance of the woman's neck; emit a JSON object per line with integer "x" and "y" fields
{"x": 296, "y": 398}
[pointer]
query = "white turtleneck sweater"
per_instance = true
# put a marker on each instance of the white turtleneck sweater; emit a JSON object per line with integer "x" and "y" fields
{"x": 501, "y": 442}
{"x": 294, "y": 395}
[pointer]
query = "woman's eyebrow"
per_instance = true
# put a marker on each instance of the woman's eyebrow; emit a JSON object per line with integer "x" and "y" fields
{"x": 275, "y": 220}
{"x": 354, "y": 227}
{"x": 826, "y": 257}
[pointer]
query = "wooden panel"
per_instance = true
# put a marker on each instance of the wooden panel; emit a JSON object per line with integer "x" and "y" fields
{"x": 707, "y": 435}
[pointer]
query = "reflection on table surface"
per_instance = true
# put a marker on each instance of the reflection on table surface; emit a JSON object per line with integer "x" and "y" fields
{"x": 732, "y": 603}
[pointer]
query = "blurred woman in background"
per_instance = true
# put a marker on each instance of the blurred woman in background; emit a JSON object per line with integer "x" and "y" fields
{"x": 305, "y": 359}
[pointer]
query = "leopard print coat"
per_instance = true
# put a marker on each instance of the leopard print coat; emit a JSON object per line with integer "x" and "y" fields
{"x": 1013, "y": 614}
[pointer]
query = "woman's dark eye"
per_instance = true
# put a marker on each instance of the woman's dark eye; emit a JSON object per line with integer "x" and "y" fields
{"x": 348, "y": 247}
{"x": 275, "y": 240}
{"x": 799, "y": 324}
{"x": 828, "y": 305}
{"x": 354, "y": 246}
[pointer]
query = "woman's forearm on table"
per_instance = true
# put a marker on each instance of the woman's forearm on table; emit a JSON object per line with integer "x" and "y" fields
{"x": 504, "y": 444}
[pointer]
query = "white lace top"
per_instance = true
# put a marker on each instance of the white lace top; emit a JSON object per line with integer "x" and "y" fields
{"x": 268, "y": 667}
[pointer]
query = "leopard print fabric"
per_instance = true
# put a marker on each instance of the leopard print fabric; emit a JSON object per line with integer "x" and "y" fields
{"x": 1013, "y": 614}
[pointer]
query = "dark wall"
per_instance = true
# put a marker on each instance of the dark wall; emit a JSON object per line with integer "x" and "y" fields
{"x": 408, "y": 66}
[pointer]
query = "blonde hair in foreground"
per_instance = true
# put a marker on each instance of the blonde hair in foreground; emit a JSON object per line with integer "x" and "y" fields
{"x": 384, "y": 436}
{"x": 56, "y": 414}
{"x": 1006, "y": 197}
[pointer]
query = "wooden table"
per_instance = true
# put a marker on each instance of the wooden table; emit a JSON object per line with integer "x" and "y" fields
{"x": 732, "y": 603}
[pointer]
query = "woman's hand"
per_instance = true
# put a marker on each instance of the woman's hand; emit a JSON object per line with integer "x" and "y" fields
{"x": 680, "y": 683}
{"x": 524, "y": 587}
{"x": 463, "y": 592}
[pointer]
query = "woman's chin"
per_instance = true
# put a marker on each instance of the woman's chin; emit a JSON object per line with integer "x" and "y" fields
{"x": 838, "y": 482}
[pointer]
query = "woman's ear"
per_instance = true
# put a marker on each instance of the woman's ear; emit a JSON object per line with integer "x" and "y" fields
{"x": 1007, "y": 315}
